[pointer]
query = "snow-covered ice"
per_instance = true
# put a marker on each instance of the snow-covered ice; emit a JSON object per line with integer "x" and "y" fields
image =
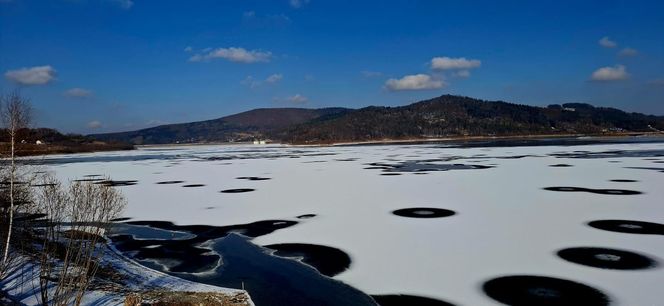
{"x": 505, "y": 222}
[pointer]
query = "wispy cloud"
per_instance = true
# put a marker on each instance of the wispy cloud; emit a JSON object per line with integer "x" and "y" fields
{"x": 253, "y": 83}
{"x": 38, "y": 75}
{"x": 657, "y": 82}
{"x": 606, "y": 42}
{"x": 124, "y": 4}
{"x": 449, "y": 63}
{"x": 94, "y": 124}
{"x": 233, "y": 54}
{"x": 297, "y": 99}
{"x": 628, "y": 52}
{"x": 297, "y": 3}
{"x": 371, "y": 74}
{"x": 78, "y": 93}
{"x": 615, "y": 73}
{"x": 414, "y": 82}
{"x": 274, "y": 78}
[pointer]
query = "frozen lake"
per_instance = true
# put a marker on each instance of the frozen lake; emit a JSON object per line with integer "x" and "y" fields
{"x": 465, "y": 225}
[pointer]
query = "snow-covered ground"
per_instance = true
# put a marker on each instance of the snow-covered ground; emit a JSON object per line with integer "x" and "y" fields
{"x": 505, "y": 222}
{"x": 22, "y": 282}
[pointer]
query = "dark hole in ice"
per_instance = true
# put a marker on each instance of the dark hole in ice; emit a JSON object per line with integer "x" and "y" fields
{"x": 607, "y": 258}
{"x": 423, "y": 212}
{"x": 629, "y": 226}
{"x": 29, "y": 217}
{"x": 169, "y": 182}
{"x": 407, "y": 300}
{"x": 597, "y": 191}
{"x": 112, "y": 183}
{"x": 388, "y": 174}
{"x": 120, "y": 219}
{"x": 90, "y": 179}
{"x": 186, "y": 255}
{"x": 624, "y": 181}
{"x": 194, "y": 185}
{"x": 237, "y": 190}
{"x": 306, "y": 216}
{"x": 527, "y": 290}
{"x": 44, "y": 185}
{"x": 253, "y": 178}
{"x": 561, "y": 165}
{"x": 327, "y": 260}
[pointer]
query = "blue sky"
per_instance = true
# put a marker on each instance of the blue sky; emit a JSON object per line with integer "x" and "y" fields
{"x": 110, "y": 65}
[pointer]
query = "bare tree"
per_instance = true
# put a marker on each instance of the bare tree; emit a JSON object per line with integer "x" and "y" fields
{"x": 15, "y": 112}
{"x": 78, "y": 218}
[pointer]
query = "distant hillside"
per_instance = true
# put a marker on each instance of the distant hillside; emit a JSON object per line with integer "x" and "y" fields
{"x": 444, "y": 116}
{"x": 257, "y": 123}
{"x": 42, "y": 141}
{"x": 449, "y": 116}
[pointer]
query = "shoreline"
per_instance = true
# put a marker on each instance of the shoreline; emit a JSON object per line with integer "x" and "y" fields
{"x": 66, "y": 151}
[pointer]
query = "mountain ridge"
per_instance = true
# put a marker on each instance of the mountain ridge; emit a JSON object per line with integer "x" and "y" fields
{"x": 443, "y": 116}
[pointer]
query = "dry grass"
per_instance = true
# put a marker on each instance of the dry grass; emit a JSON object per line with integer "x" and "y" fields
{"x": 179, "y": 298}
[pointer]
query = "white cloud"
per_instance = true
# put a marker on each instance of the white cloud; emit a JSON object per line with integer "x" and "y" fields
{"x": 628, "y": 52}
{"x": 94, "y": 124}
{"x": 448, "y": 63}
{"x": 249, "y": 14}
{"x": 414, "y": 82}
{"x": 297, "y": 99}
{"x": 370, "y": 74}
{"x": 238, "y": 55}
{"x": 78, "y": 93}
{"x": 298, "y": 3}
{"x": 615, "y": 73}
{"x": 39, "y": 75}
{"x": 274, "y": 78}
{"x": 188, "y": 49}
{"x": 606, "y": 42}
{"x": 125, "y": 4}
{"x": 253, "y": 83}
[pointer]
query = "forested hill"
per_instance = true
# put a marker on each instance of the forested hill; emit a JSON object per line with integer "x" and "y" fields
{"x": 258, "y": 123}
{"x": 449, "y": 116}
{"x": 444, "y": 116}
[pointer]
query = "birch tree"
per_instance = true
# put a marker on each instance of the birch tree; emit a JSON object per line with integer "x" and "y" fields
{"x": 15, "y": 113}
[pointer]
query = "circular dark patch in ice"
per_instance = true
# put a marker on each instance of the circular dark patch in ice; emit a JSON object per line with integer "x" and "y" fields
{"x": 404, "y": 299}
{"x": 120, "y": 219}
{"x": 89, "y": 179}
{"x": 237, "y": 190}
{"x": 629, "y": 226}
{"x": 29, "y": 217}
{"x": 194, "y": 185}
{"x": 253, "y": 178}
{"x": 112, "y": 183}
{"x": 561, "y": 165}
{"x": 527, "y": 290}
{"x": 327, "y": 260}
{"x": 597, "y": 191}
{"x": 607, "y": 258}
{"x": 44, "y": 185}
{"x": 423, "y": 212}
{"x": 623, "y": 181}
{"x": 169, "y": 182}
{"x": 306, "y": 216}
